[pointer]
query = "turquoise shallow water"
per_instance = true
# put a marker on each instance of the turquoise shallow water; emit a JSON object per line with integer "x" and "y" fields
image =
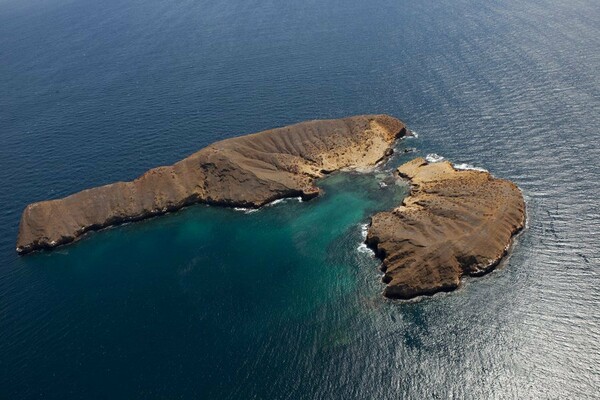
{"x": 207, "y": 297}
{"x": 280, "y": 304}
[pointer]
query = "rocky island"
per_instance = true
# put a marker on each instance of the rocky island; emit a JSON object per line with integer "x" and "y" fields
{"x": 246, "y": 171}
{"x": 453, "y": 223}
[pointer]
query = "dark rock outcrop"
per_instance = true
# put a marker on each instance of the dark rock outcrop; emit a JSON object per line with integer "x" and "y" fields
{"x": 453, "y": 223}
{"x": 246, "y": 171}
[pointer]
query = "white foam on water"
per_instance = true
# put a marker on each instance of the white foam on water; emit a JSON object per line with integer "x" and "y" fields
{"x": 362, "y": 247}
{"x": 278, "y": 201}
{"x": 246, "y": 210}
{"x": 364, "y": 229}
{"x": 465, "y": 166}
{"x": 413, "y": 134}
{"x": 433, "y": 158}
{"x": 274, "y": 202}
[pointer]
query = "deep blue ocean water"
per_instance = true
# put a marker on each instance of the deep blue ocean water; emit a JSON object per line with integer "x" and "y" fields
{"x": 282, "y": 303}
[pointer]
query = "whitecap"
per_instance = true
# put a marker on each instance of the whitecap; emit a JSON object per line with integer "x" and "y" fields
{"x": 465, "y": 166}
{"x": 363, "y": 248}
{"x": 246, "y": 210}
{"x": 433, "y": 158}
{"x": 278, "y": 201}
{"x": 364, "y": 229}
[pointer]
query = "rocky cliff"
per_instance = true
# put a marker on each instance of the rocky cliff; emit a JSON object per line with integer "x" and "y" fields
{"x": 453, "y": 223}
{"x": 246, "y": 171}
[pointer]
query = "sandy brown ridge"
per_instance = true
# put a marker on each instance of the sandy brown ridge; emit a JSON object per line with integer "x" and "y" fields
{"x": 453, "y": 223}
{"x": 246, "y": 171}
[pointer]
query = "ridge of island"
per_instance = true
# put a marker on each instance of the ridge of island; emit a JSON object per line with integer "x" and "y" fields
{"x": 245, "y": 171}
{"x": 453, "y": 223}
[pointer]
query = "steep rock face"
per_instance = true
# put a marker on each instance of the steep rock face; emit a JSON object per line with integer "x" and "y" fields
{"x": 246, "y": 171}
{"x": 453, "y": 223}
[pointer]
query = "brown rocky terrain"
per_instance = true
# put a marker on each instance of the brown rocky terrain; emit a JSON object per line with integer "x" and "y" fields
{"x": 246, "y": 171}
{"x": 453, "y": 223}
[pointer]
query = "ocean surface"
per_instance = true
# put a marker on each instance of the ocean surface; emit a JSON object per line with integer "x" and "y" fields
{"x": 285, "y": 303}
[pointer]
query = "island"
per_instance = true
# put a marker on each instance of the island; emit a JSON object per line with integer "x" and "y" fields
{"x": 245, "y": 171}
{"x": 453, "y": 223}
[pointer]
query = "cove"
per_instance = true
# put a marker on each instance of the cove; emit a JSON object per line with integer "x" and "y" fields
{"x": 221, "y": 291}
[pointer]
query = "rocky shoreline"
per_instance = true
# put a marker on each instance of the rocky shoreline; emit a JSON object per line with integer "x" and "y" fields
{"x": 454, "y": 223}
{"x": 247, "y": 171}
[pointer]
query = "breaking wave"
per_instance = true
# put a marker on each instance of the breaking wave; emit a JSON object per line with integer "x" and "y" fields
{"x": 433, "y": 158}
{"x": 465, "y": 166}
{"x": 362, "y": 247}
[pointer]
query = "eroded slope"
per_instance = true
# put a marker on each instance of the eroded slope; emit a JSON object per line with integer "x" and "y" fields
{"x": 453, "y": 223}
{"x": 246, "y": 171}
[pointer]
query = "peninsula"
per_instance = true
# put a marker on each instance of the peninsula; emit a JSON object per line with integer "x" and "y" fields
{"x": 453, "y": 223}
{"x": 246, "y": 171}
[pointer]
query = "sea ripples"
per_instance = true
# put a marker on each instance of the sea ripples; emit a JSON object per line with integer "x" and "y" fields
{"x": 93, "y": 93}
